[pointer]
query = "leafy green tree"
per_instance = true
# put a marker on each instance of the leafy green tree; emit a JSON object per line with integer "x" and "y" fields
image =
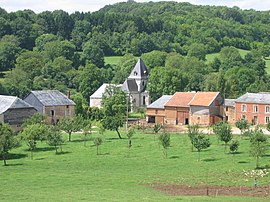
{"x": 197, "y": 50}
{"x": 242, "y": 125}
{"x": 94, "y": 54}
{"x": 8, "y": 54}
{"x": 234, "y": 146}
{"x": 36, "y": 118}
{"x": 157, "y": 127}
{"x": 200, "y": 142}
{"x": 87, "y": 129}
{"x": 114, "y": 107}
{"x": 258, "y": 145}
{"x": 55, "y": 138}
{"x": 154, "y": 59}
{"x": 193, "y": 131}
{"x": 34, "y": 133}
{"x": 71, "y": 125}
{"x": 224, "y": 132}
{"x": 165, "y": 139}
{"x": 130, "y": 134}
{"x": 43, "y": 39}
{"x": 98, "y": 141}
{"x": 8, "y": 141}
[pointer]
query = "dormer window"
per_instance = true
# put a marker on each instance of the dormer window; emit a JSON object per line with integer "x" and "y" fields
{"x": 135, "y": 73}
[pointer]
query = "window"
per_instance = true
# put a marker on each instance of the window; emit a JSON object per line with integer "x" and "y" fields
{"x": 267, "y": 109}
{"x": 255, "y": 108}
{"x": 267, "y": 119}
{"x": 156, "y": 111}
{"x": 135, "y": 73}
{"x": 227, "y": 118}
{"x": 67, "y": 106}
{"x": 244, "y": 108}
{"x": 143, "y": 83}
{"x": 244, "y": 117}
{"x": 227, "y": 109}
{"x": 143, "y": 100}
{"x": 52, "y": 113}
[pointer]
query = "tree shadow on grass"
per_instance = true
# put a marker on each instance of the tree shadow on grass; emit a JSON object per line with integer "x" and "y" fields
{"x": 174, "y": 157}
{"x": 210, "y": 159}
{"x": 116, "y": 138}
{"x": 104, "y": 154}
{"x": 266, "y": 155}
{"x": 242, "y": 162}
{"x": 12, "y": 164}
{"x": 15, "y": 156}
{"x": 63, "y": 153}
{"x": 43, "y": 149}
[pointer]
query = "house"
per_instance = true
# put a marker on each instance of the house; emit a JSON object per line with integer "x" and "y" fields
{"x": 155, "y": 112}
{"x": 205, "y": 108}
{"x": 254, "y": 107}
{"x": 177, "y": 108}
{"x": 229, "y": 110}
{"x": 52, "y": 103}
{"x": 96, "y": 97}
{"x": 134, "y": 86}
{"x": 14, "y": 111}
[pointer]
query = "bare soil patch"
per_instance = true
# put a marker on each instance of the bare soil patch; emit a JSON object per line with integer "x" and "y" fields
{"x": 211, "y": 190}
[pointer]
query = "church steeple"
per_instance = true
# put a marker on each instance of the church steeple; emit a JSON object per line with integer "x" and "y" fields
{"x": 140, "y": 71}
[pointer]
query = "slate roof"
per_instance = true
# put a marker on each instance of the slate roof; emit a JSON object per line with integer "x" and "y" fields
{"x": 229, "y": 102}
{"x": 139, "y": 71}
{"x": 11, "y": 102}
{"x": 130, "y": 85}
{"x": 203, "y": 98}
{"x": 181, "y": 99}
{"x": 159, "y": 103}
{"x": 52, "y": 98}
{"x": 258, "y": 98}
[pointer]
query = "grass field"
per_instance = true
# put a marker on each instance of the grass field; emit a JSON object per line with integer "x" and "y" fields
{"x": 112, "y": 60}
{"x": 120, "y": 174}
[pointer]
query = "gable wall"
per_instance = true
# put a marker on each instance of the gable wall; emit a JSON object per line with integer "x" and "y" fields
{"x": 32, "y": 100}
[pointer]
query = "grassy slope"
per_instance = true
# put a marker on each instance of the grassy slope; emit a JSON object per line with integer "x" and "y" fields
{"x": 121, "y": 175}
{"x": 112, "y": 60}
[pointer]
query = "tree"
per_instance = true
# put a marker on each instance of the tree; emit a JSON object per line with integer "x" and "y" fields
{"x": 71, "y": 125}
{"x": 94, "y": 54}
{"x": 37, "y": 118}
{"x": 157, "y": 128}
{"x": 8, "y": 141}
{"x": 87, "y": 129}
{"x": 114, "y": 107}
{"x": 197, "y": 50}
{"x": 224, "y": 132}
{"x": 55, "y": 138}
{"x": 234, "y": 146}
{"x": 200, "y": 142}
{"x": 98, "y": 142}
{"x": 130, "y": 134}
{"x": 33, "y": 133}
{"x": 193, "y": 131}
{"x": 242, "y": 125}
{"x": 258, "y": 145}
{"x": 164, "y": 139}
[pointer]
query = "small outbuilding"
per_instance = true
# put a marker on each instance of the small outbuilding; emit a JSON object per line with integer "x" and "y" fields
{"x": 52, "y": 103}
{"x": 14, "y": 111}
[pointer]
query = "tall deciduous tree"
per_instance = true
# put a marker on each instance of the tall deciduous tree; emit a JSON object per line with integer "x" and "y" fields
{"x": 114, "y": 104}
{"x": 55, "y": 138}
{"x": 8, "y": 141}
{"x": 224, "y": 132}
{"x": 71, "y": 125}
{"x": 200, "y": 142}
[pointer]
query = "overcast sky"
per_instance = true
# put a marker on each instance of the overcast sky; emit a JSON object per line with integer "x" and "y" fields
{"x": 94, "y": 5}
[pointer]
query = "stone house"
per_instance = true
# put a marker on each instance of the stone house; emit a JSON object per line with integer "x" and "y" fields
{"x": 205, "y": 108}
{"x": 52, "y": 103}
{"x": 177, "y": 108}
{"x": 14, "y": 111}
{"x": 254, "y": 107}
{"x": 155, "y": 112}
{"x": 228, "y": 110}
{"x": 135, "y": 87}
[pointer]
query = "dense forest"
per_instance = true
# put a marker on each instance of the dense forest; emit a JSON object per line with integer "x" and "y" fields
{"x": 57, "y": 50}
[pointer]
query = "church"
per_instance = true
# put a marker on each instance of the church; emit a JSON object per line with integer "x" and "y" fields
{"x": 135, "y": 86}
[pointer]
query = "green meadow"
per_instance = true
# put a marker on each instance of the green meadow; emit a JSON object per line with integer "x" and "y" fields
{"x": 122, "y": 174}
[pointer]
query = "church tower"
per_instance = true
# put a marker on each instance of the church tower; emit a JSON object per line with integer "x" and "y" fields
{"x": 140, "y": 74}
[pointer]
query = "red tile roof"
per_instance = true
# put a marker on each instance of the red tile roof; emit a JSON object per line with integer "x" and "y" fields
{"x": 180, "y": 99}
{"x": 203, "y": 98}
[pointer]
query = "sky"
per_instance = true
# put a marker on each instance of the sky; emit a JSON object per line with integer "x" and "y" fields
{"x": 94, "y": 5}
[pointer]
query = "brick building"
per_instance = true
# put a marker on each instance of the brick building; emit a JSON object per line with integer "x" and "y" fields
{"x": 254, "y": 107}
{"x": 205, "y": 108}
{"x": 177, "y": 108}
{"x": 156, "y": 111}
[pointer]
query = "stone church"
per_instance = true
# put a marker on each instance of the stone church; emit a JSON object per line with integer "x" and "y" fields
{"x": 135, "y": 86}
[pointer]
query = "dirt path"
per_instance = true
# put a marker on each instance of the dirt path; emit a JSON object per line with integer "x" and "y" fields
{"x": 212, "y": 190}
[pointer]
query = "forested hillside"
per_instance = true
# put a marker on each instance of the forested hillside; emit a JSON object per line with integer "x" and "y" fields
{"x": 57, "y": 50}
